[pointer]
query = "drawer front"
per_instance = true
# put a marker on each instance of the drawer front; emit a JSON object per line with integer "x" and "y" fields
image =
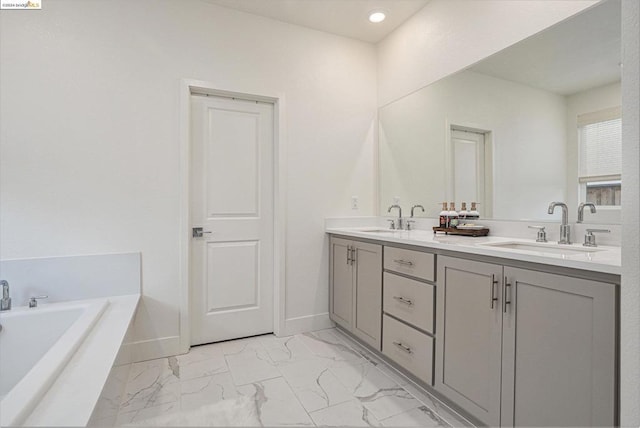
{"x": 409, "y": 300}
{"x": 410, "y": 262}
{"x": 409, "y": 348}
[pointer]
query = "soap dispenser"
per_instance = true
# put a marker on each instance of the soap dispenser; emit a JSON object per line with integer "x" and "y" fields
{"x": 462, "y": 215}
{"x": 473, "y": 214}
{"x": 444, "y": 216}
{"x": 453, "y": 215}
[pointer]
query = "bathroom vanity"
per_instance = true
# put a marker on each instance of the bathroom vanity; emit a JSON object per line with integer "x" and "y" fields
{"x": 511, "y": 333}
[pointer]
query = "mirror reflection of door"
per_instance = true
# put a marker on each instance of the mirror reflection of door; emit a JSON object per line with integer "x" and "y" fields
{"x": 470, "y": 166}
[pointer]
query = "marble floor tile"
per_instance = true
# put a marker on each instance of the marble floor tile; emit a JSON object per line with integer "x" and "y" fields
{"x": 201, "y": 352}
{"x": 382, "y": 396}
{"x": 108, "y": 404}
{"x": 419, "y": 417}
{"x": 443, "y": 411}
{"x": 349, "y": 414}
{"x": 283, "y": 350}
{"x": 314, "y": 384}
{"x": 136, "y": 416}
{"x": 276, "y": 403}
{"x": 207, "y": 390}
{"x": 325, "y": 344}
{"x": 151, "y": 383}
{"x": 202, "y": 367}
{"x": 233, "y": 347}
{"x": 323, "y": 378}
{"x": 251, "y": 365}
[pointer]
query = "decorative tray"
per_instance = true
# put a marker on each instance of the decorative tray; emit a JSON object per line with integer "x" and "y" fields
{"x": 468, "y": 231}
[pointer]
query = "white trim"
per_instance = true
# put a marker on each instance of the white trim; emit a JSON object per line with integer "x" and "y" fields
{"x": 187, "y": 87}
{"x": 307, "y": 323}
{"x": 150, "y": 349}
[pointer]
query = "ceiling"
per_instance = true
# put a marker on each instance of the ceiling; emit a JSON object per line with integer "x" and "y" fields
{"x": 580, "y": 53}
{"x": 347, "y": 18}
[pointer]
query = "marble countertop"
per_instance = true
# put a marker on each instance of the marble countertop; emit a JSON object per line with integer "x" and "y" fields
{"x": 603, "y": 259}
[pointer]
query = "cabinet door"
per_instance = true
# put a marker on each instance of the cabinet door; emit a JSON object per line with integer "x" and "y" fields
{"x": 559, "y": 351}
{"x": 368, "y": 293}
{"x": 341, "y": 283}
{"x": 469, "y": 332}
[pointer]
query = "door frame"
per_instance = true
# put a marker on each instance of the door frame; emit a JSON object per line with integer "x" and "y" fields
{"x": 187, "y": 88}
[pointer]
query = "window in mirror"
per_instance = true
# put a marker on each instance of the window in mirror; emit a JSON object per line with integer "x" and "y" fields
{"x": 600, "y": 145}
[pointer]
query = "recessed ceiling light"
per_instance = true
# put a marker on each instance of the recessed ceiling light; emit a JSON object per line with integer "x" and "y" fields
{"x": 377, "y": 16}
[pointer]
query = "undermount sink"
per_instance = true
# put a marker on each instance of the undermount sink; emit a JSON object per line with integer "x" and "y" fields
{"x": 549, "y": 248}
{"x": 378, "y": 230}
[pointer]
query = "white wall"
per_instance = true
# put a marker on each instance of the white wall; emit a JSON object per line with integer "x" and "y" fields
{"x": 630, "y": 290}
{"x": 527, "y": 128}
{"x": 90, "y": 139}
{"x": 447, "y": 36}
{"x": 587, "y": 101}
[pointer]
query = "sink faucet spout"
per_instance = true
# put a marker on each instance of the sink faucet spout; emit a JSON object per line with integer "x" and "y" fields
{"x": 399, "y": 225}
{"x": 5, "y": 302}
{"x": 565, "y": 229}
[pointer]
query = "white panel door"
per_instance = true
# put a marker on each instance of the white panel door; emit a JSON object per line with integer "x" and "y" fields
{"x": 468, "y": 175}
{"x": 232, "y": 201}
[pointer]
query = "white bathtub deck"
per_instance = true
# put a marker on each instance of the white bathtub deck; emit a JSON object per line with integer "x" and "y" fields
{"x": 71, "y": 399}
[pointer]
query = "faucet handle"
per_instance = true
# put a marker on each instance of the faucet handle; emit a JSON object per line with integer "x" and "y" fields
{"x": 590, "y": 238}
{"x": 408, "y": 223}
{"x": 33, "y": 301}
{"x": 542, "y": 233}
{"x": 392, "y": 224}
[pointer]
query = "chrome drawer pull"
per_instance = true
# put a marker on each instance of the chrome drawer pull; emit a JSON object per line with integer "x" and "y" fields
{"x": 403, "y": 347}
{"x": 403, "y": 300}
{"x": 404, "y": 262}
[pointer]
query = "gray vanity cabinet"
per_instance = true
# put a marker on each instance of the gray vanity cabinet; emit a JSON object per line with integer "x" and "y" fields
{"x": 355, "y": 288}
{"x": 519, "y": 347}
{"x": 559, "y": 346}
{"x": 469, "y": 331}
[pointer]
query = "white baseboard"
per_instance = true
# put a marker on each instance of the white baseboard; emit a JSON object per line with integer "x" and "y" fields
{"x": 144, "y": 350}
{"x": 149, "y": 349}
{"x": 307, "y": 323}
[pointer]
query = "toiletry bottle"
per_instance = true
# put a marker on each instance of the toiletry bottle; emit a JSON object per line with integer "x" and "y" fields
{"x": 453, "y": 215}
{"x": 444, "y": 216}
{"x": 473, "y": 214}
{"x": 462, "y": 215}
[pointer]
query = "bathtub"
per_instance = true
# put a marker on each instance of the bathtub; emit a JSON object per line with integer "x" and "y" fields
{"x": 35, "y": 346}
{"x": 55, "y": 359}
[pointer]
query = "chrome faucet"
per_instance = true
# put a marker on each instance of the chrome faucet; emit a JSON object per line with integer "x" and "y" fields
{"x": 565, "y": 229}
{"x": 591, "y": 206}
{"x": 414, "y": 207}
{"x": 5, "y": 303}
{"x": 399, "y": 224}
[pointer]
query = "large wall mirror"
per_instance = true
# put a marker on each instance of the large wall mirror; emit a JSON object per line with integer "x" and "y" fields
{"x": 534, "y": 123}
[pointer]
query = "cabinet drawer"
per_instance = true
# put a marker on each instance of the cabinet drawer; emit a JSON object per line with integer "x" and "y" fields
{"x": 410, "y": 262}
{"x": 408, "y": 347}
{"x": 409, "y": 300}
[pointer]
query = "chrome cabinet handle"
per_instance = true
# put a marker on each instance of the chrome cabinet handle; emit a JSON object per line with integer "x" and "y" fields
{"x": 404, "y": 262}
{"x": 403, "y": 300}
{"x": 492, "y": 297}
{"x": 354, "y": 255}
{"x": 505, "y": 301}
{"x": 405, "y": 348}
{"x": 348, "y": 254}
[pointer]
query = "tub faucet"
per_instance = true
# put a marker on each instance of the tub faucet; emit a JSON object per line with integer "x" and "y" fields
{"x": 399, "y": 223}
{"x": 591, "y": 206}
{"x": 565, "y": 229}
{"x": 5, "y": 303}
